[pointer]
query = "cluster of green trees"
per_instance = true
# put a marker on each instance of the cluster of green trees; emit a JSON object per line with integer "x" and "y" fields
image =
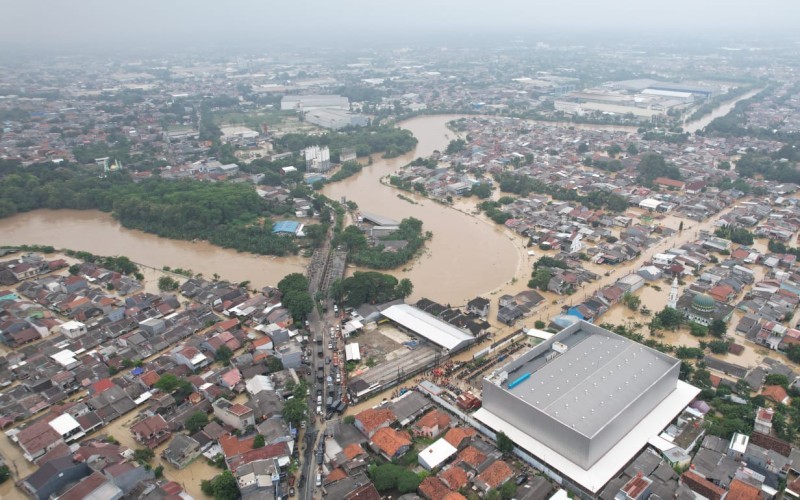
{"x": 652, "y": 166}
{"x": 770, "y": 167}
{"x": 225, "y": 214}
{"x": 167, "y": 284}
{"x": 524, "y": 185}
{"x": 120, "y": 264}
{"x": 606, "y": 164}
{"x": 429, "y": 162}
{"x": 780, "y": 247}
{"x": 407, "y": 185}
{"x": 738, "y": 235}
{"x": 392, "y": 141}
{"x": 349, "y": 168}
{"x": 196, "y": 422}
{"x": 370, "y": 288}
{"x": 117, "y": 147}
{"x": 222, "y": 487}
{"x": 295, "y": 410}
{"x": 393, "y": 477}
{"x": 455, "y": 146}
{"x": 180, "y": 388}
{"x": 295, "y": 296}
{"x": 375, "y": 256}
{"x": 494, "y": 212}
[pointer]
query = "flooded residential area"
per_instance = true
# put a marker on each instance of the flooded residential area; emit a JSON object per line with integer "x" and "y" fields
{"x": 463, "y": 266}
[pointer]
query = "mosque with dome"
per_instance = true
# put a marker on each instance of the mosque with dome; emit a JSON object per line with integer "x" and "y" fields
{"x": 702, "y": 308}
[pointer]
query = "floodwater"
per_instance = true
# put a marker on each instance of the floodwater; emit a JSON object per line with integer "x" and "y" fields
{"x": 718, "y": 112}
{"x": 468, "y": 256}
{"x": 99, "y": 233}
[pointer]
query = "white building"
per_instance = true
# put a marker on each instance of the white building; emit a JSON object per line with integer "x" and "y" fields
{"x": 335, "y": 118}
{"x": 318, "y": 159}
{"x": 73, "y": 329}
{"x": 436, "y": 454}
{"x": 314, "y": 101}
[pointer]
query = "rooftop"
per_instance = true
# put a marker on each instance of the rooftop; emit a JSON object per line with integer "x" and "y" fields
{"x": 597, "y": 376}
{"x": 428, "y": 326}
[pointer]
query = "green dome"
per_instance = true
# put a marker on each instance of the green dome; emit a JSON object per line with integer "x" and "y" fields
{"x": 703, "y": 302}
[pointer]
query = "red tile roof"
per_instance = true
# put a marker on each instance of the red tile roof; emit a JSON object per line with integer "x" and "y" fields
{"x": 775, "y": 393}
{"x": 102, "y": 385}
{"x": 352, "y": 451}
{"x": 457, "y": 434}
{"x": 433, "y": 489}
{"x": 372, "y": 419}
{"x": 149, "y": 378}
{"x": 454, "y": 477}
{"x": 432, "y": 419}
{"x": 390, "y": 441}
{"x": 335, "y": 475}
{"x": 496, "y": 474}
{"x": 739, "y": 490}
{"x": 471, "y": 456}
{"x": 702, "y": 486}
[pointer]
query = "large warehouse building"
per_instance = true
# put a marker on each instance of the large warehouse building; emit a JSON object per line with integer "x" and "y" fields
{"x": 585, "y": 402}
{"x": 429, "y": 327}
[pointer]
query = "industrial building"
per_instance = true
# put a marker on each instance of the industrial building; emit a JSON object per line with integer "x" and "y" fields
{"x": 318, "y": 159}
{"x": 335, "y": 119}
{"x": 429, "y": 327}
{"x": 584, "y": 402}
{"x": 314, "y": 101}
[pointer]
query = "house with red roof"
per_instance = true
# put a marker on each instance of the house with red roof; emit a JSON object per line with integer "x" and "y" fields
{"x": 776, "y": 394}
{"x": 454, "y": 477}
{"x": 460, "y": 437}
{"x": 231, "y": 379}
{"x": 390, "y": 443}
{"x": 151, "y": 431}
{"x": 494, "y": 476}
{"x": 372, "y": 419}
{"x": 431, "y": 424}
{"x": 702, "y": 486}
{"x": 433, "y": 488}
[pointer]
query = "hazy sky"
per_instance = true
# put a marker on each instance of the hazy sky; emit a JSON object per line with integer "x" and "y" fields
{"x": 61, "y": 24}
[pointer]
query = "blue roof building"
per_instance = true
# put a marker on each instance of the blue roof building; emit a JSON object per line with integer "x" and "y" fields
{"x": 286, "y": 227}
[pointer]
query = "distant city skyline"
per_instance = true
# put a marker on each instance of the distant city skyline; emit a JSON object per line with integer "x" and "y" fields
{"x": 183, "y": 24}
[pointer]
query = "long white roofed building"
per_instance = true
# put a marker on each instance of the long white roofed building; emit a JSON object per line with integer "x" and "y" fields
{"x": 429, "y": 327}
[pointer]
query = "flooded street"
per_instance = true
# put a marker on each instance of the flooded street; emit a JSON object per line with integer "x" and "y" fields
{"x": 467, "y": 256}
{"x": 97, "y": 232}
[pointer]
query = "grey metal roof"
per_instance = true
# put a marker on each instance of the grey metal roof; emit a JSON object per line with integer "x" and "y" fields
{"x": 593, "y": 381}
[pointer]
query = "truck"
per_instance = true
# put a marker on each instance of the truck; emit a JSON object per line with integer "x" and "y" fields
{"x": 320, "y": 373}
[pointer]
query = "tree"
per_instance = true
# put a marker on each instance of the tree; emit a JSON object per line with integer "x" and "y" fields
{"x": 540, "y": 279}
{"x": 274, "y": 364}
{"x": 697, "y": 330}
{"x": 196, "y": 422}
{"x": 632, "y": 149}
{"x": 404, "y": 288}
{"x": 293, "y": 281}
{"x": 74, "y": 269}
{"x": 167, "y": 284}
{"x": 719, "y": 346}
{"x": 294, "y": 411}
{"x": 482, "y": 191}
{"x": 777, "y": 379}
{"x": 143, "y": 455}
{"x": 224, "y": 355}
{"x": 504, "y": 443}
{"x": 349, "y": 419}
{"x": 5, "y": 473}
{"x": 299, "y": 303}
{"x": 223, "y": 487}
{"x": 258, "y": 441}
{"x": 669, "y": 318}
{"x": 631, "y": 301}
{"x": 718, "y": 328}
{"x": 508, "y": 490}
{"x": 167, "y": 383}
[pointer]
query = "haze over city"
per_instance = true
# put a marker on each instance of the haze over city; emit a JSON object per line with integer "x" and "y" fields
{"x": 96, "y": 25}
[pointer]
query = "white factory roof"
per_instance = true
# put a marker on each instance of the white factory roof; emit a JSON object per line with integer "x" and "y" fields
{"x": 258, "y": 384}
{"x": 428, "y": 326}
{"x": 64, "y": 424}
{"x": 64, "y": 357}
{"x": 649, "y": 203}
{"x": 435, "y": 455}
{"x": 352, "y": 352}
{"x": 617, "y": 457}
